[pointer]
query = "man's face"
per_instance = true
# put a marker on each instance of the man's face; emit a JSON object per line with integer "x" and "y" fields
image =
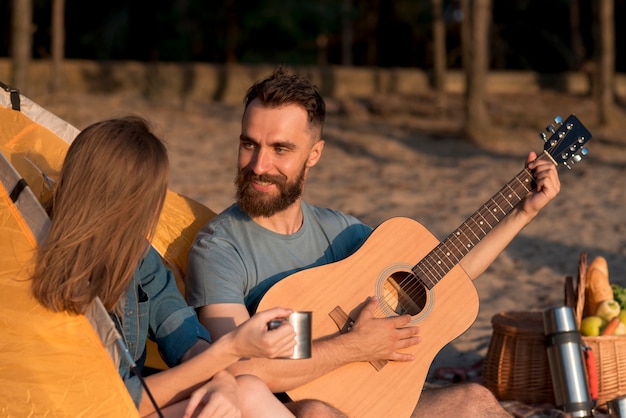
{"x": 276, "y": 149}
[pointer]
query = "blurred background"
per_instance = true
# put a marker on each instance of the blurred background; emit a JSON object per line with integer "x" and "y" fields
{"x": 545, "y": 36}
{"x": 207, "y": 49}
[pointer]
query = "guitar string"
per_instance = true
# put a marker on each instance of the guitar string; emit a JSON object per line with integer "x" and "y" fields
{"x": 431, "y": 270}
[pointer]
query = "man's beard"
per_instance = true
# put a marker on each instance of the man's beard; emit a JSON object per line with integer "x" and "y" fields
{"x": 255, "y": 204}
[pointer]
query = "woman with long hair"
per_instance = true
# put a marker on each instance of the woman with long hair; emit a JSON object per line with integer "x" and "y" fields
{"x": 103, "y": 215}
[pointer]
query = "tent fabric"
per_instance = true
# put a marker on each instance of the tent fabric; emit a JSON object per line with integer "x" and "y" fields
{"x": 37, "y": 153}
{"x": 25, "y": 208}
{"x": 50, "y": 363}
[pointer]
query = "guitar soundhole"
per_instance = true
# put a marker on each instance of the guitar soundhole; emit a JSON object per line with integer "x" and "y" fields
{"x": 403, "y": 293}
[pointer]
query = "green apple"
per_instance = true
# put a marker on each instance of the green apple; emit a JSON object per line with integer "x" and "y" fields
{"x": 591, "y": 325}
{"x": 622, "y": 316}
{"x": 608, "y": 309}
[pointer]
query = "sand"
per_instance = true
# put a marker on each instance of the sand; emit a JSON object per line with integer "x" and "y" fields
{"x": 392, "y": 156}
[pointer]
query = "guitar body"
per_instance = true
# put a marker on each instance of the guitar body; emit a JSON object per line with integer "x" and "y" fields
{"x": 442, "y": 313}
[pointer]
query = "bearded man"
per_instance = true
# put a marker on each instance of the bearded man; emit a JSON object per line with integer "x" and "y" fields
{"x": 271, "y": 233}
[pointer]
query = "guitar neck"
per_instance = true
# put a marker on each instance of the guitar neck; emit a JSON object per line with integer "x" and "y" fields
{"x": 432, "y": 268}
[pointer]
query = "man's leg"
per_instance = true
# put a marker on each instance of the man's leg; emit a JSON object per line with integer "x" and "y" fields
{"x": 469, "y": 400}
{"x": 313, "y": 408}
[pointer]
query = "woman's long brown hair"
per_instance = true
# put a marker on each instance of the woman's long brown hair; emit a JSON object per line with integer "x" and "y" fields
{"x": 105, "y": 208}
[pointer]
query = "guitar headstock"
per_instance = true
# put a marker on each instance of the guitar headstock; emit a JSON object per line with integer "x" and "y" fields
{"x": 566, "y": 142}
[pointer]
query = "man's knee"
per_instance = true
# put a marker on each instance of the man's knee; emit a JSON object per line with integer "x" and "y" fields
{"x": 476, "y": 391}
{"x": 461, "y": 400}
{"x": 309, "y": 408}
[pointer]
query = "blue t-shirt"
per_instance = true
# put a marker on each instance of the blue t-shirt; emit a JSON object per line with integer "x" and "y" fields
{"x": 155, "y": 309}
{"x": 235, "y": 260}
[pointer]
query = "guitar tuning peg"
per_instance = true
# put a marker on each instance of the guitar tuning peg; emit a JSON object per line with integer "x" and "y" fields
{"x": 550, "y": 128}
{"x": 576, "y": 158}
{"x": 543, "y": 136}
{"x": 558, "y": 120}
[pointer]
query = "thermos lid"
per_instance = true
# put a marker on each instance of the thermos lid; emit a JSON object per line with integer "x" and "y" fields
{"x": 559, "y": 319}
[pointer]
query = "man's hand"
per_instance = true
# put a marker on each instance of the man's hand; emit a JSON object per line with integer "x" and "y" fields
{"x": 374, "y": 338}
{"x": 548, "y": 184}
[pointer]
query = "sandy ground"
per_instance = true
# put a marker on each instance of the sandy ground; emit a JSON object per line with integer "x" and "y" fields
{"x": 392, "y": 156}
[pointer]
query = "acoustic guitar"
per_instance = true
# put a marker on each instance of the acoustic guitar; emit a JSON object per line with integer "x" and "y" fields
{"x": 411, "y": 272}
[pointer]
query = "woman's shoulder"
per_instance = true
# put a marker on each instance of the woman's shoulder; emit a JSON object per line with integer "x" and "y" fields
{"x": 152, "y": 256}
{"x": 150, "y": 266}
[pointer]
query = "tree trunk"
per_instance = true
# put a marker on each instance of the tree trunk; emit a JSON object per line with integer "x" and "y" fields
{"x": 606, "y": 62}
{"x": 466, "y": 40}
{"x": 371, "y": 30}
{"x": 21, "y": 42}
{"x": 439, "y": 55}
{"x": 577, "y": 44}
{"x": 232, "y": 32}
{"x": 477, "y": 122}
{"x": 58, "y": 43}
{"x": 346, "y": 33}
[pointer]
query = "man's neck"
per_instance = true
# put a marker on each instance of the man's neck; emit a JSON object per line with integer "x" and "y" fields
{"x": 287, "y": 222}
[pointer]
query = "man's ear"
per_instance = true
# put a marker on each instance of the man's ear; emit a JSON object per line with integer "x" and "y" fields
{"x": 315, "y": 154}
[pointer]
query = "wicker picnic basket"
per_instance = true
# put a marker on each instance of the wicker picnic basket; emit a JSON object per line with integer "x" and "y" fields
{"x": 609, "y": 351}
{"x": 516, "y": 365}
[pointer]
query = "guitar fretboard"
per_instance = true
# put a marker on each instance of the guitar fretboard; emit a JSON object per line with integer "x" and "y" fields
{"x": 432, "y": 268}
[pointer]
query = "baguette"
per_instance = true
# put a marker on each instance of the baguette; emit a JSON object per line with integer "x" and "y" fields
{"x": 598, "y": 288}
{"x": 601, "y": 264}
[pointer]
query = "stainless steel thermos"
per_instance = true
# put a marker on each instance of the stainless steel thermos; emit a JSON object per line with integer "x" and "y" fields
{"x": 564, "y": 348}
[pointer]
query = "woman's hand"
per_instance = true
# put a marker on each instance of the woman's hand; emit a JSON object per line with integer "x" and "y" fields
{"x": 253, "y": 338}
{"x": 219, "y": 397}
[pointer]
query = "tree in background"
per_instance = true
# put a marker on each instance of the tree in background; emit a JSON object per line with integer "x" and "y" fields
{"x": 466, "y": 38}
{"x": 439, "y": 55}
{"x": 605, "y": 84}
{"x": 477, "y": 121}
{"x": 576, "y": 40}
{"x": 546, "y": 37}
{"x": 346, "y": 32}
{"x": 57, "y": 43}
{"x": 327, "y": 32}
{"x": 21, "y": 41}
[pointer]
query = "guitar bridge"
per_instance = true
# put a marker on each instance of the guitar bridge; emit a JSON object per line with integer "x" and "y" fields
{"x": 344, "y": 324}
{"x": 342, "y": 320}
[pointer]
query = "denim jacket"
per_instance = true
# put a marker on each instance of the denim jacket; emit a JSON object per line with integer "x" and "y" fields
{"x": 154, "y": 308}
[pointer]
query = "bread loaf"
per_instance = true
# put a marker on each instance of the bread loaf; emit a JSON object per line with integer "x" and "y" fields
{"x": 600, "y": 264}
{"x": 598, "y": 288}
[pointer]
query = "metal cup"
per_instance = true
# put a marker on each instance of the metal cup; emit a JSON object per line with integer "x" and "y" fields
{"x": 301, "y": 323}
{"x": 617, "y": 407}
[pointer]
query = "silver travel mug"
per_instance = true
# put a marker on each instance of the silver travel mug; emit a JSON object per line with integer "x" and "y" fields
{"x": 567, "y": 366}
{"x": 302, "y": 325}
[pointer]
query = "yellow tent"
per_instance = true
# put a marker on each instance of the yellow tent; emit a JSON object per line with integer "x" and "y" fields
{"x": 54, "y": 364}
